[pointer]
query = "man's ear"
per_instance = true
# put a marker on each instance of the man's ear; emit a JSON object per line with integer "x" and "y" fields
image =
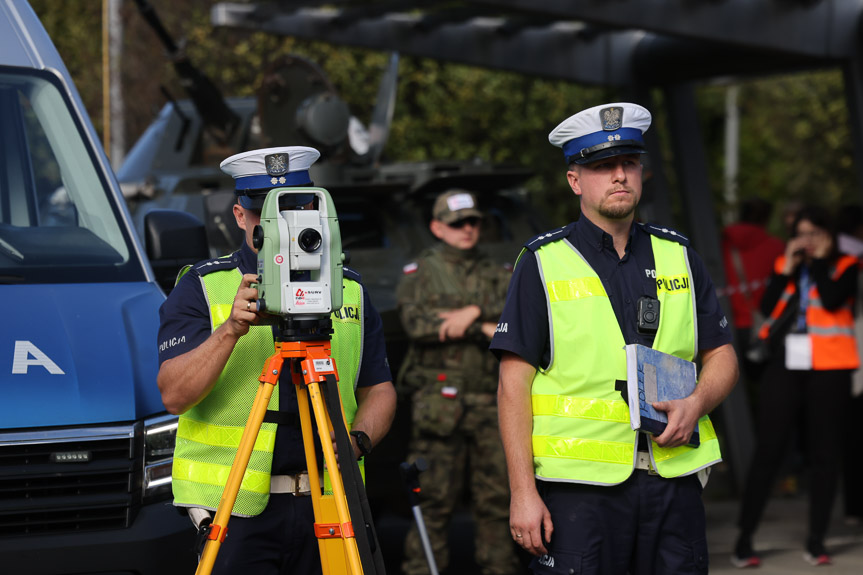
{"x": 240, "y": 216}
{"x": 572, "y": 177}
{"x": 435, "y": 227}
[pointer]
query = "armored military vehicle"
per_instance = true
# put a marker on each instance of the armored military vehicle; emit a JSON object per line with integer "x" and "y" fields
{"x": 383, "y": 207}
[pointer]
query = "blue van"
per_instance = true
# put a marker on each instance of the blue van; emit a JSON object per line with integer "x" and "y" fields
{"x": 86, "y": 445}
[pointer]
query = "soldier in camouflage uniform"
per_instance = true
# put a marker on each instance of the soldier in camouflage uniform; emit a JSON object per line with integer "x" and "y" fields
{"x": 449, "y": 302}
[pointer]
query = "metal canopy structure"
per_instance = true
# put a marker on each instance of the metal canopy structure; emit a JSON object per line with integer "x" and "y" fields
{"x": 634, "y": 45}
{"x": 607, "y": 42}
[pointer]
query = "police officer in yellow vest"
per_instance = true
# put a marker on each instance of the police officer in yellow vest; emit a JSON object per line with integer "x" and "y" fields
{"x": 211, "y": 352}
{"x": 589, "y": 495}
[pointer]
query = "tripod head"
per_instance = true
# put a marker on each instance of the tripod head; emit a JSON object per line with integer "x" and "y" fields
{"x": 300, "y": 259}
{"x": 304, "y": 329}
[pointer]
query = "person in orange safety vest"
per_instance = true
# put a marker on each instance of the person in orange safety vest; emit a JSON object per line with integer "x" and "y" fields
{"x": 809, "y": 302}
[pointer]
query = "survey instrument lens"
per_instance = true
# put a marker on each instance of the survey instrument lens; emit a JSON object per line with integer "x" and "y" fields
{"x": 309, "y": 240}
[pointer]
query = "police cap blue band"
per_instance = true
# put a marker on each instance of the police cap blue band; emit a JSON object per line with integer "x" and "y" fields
{"x": 286, "y": 201}
{"x": 626, "y": 136}
{"x": 298, "y": 178}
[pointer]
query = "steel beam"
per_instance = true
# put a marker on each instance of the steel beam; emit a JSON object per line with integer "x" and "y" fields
{"x": 563, "y": 50}
{"x": 817, "y": 28}
{"x": 853, "y": 76}
{"x": 524, "y": 43}
{"x": 655, "y": 204}
{"x": 691, "y": 165}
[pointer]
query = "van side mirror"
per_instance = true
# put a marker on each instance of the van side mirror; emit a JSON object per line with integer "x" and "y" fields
{"x": 173, "y": 239}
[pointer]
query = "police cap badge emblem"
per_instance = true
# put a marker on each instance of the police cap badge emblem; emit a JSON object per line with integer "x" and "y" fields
{"x": 611, "y": 118}
{"x": 277, "y": 164}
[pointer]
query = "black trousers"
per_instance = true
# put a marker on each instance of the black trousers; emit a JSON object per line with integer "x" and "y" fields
{"x": 788, "y": 399}
{"x": 279, "y": 541}
{"x": 853, "y": 460}
{"x": 647, "y": 525}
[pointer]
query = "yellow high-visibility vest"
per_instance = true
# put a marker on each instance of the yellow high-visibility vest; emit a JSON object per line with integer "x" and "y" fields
{"x": 209, "y": 433}
{"x": 581, "y": 429}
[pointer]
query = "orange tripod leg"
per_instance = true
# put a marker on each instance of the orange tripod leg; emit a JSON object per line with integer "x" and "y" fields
{"x": 345, "y": 524}
{"x": 269, "y": 378}
{"x": 315, "y": 362}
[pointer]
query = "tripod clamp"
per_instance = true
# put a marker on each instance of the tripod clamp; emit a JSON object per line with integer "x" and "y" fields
{"x": 311, "y": 328}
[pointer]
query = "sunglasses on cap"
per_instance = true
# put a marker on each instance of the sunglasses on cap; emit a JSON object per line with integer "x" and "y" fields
{"x": 471, "y": 221}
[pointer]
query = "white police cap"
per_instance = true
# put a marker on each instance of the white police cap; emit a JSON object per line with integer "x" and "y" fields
{"x": 602, "y": 131}
{"x": 258, "y": 171}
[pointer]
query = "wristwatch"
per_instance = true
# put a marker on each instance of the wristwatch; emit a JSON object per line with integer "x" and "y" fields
{"x": 364, "y": 442}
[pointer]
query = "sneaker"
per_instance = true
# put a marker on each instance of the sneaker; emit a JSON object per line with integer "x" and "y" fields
{"x": 744, "y": 556}
{"x": 816, "y": 554}
{"x": 745, "y": 562}
{"x": 817, "y": 560}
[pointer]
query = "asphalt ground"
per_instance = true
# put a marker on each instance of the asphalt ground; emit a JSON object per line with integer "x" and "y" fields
{"x": 779, "y": 540}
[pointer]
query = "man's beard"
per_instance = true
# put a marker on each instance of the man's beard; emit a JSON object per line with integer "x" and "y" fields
{"x": 617, "y": 210}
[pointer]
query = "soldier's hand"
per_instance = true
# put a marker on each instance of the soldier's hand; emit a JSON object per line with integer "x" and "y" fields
{"x": 457, "y": 321}
{"x": 683, "y": 416}
{"x": 488, "y": 329}
{"x": 244, "y": 311}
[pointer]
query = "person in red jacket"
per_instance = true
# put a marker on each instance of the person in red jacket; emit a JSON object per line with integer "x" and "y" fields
{"x": 748, "y": 253}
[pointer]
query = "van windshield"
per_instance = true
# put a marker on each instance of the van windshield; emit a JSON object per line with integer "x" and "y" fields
{"x": 58, "y": 224}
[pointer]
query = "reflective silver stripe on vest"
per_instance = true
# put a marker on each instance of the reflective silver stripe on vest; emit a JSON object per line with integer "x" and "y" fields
{"x": 847, "y": 331}
{"x": 207, "y": 299}
{"x": 783, "y": 298}
{"x": 692, "y": 295}
{"x": 363, "y": 311}
{"x": 548, "y": 313}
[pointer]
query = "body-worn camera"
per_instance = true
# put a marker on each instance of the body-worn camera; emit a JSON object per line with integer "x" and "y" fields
{"x": 648, "y": 315}
{"x": 300, "y": 259}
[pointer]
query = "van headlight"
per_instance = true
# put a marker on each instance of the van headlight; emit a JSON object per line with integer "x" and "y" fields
{"x": 160, "y": 434}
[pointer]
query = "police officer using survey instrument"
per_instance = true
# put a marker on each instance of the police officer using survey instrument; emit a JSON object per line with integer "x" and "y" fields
{"x": 589, "y": 494}
{"x": 449, "y": 300}
{"x": 212, "y": 347}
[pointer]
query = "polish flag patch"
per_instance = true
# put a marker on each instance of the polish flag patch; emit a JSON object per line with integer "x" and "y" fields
{"x": 411, "y": 268}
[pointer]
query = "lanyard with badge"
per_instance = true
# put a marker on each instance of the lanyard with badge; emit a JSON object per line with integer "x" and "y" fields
{"x": 798, "y": 345}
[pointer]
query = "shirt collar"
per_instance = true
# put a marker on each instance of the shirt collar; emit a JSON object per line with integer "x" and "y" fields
{"x": 455, "y": 254}
{"x": 248, "y": 259}
{"x": 592, "y": 235}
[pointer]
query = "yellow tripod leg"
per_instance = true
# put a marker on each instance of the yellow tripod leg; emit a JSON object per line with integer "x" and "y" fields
{"x": 330, "y": 562}
{"x": 330, "y": 554}
{"x": 235, "y": 478}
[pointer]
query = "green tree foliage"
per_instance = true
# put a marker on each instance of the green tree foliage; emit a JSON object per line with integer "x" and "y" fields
{"x": 794, "y": 141}
{"x": 75, "y": 27}
{"x": 443, "y": 111}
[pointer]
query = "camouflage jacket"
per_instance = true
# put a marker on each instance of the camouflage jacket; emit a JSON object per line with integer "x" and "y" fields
{"x": 443, "y": 279}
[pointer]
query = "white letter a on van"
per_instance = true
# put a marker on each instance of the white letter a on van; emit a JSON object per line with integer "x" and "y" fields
{"x": 21, "y": 360}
